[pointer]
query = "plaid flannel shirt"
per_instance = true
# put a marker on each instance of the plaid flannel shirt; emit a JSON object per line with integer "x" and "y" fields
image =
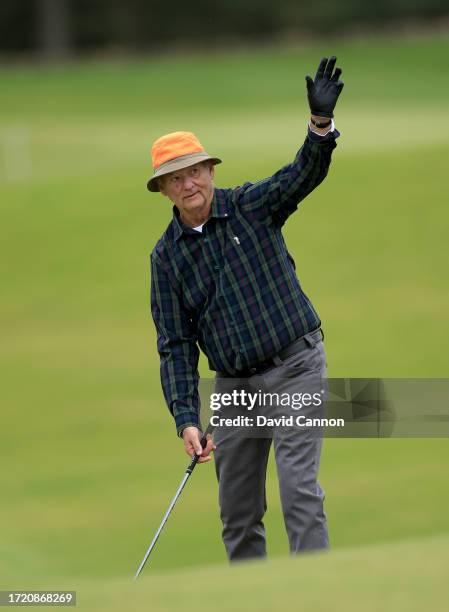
{"x": 232, "y": 289}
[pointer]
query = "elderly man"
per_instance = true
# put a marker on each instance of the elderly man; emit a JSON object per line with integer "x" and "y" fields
{"x": 223, "y": 281}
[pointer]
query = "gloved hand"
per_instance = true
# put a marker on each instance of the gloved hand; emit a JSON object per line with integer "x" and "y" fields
{"x": 323, "y": 92}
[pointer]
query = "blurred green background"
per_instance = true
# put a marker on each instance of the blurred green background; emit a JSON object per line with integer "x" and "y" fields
{"x": 89, "y": 454}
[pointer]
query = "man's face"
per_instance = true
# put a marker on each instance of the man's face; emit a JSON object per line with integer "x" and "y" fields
{"x": 191, "y": 189}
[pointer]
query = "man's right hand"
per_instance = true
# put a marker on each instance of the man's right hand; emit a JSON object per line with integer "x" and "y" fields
{"x": 192, "y": 444}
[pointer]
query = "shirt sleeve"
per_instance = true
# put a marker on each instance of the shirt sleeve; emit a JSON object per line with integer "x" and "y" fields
{"x": 277, "y": 197}
{"x": 178, "y": 350}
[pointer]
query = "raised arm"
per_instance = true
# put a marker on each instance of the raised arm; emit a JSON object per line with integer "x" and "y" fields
{"x": 278, "y": 196}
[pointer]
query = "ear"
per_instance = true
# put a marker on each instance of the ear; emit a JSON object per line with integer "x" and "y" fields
{"x": 212, "y": 170}
{"x": 160, "y": 184}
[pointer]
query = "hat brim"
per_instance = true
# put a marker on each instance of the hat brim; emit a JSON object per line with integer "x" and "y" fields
{"x": 178, "y": 164}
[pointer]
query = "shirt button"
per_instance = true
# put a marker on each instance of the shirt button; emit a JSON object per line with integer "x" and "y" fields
{"x": 252, "y": 370}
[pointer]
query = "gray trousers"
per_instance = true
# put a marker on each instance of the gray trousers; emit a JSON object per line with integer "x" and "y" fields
{"x": 241, "y": 463}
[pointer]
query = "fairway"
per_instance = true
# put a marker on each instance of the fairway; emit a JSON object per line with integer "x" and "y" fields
{"x": 89, "y": 454}
{"x": 406, "y": 577}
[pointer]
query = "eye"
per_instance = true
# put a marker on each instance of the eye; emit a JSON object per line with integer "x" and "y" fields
{"x": 195, "y": 171}
{"x": 174, "y": 179}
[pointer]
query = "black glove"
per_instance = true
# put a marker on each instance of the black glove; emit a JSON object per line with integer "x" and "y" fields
{"x": 323, "y": 92}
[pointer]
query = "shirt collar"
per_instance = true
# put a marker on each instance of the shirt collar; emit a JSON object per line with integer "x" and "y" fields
{"x": 219, "y": 209}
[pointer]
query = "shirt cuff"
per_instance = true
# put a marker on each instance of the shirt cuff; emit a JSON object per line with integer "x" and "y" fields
{"x": 331, "y": 129}
{"x": 190, "y": 419}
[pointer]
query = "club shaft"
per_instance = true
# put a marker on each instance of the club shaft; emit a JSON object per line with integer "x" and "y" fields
{"x": 166, "y": 515}
{"x": 188, "y": 471}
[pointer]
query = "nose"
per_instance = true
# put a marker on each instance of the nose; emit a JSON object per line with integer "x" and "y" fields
{"x": 188, "y": 183}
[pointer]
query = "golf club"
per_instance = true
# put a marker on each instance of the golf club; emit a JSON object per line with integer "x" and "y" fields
{"x": 188, "y": 471}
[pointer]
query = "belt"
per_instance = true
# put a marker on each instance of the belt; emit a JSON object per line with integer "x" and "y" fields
{"x": 310, "y": 339}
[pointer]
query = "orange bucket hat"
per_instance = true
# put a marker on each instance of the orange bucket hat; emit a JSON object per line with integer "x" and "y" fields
{"x": 176, "y": 151}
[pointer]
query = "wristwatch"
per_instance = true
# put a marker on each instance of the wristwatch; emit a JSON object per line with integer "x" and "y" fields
{"x": 319, "y": 124}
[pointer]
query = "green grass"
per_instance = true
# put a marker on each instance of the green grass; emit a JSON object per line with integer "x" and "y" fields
{"x": 403, "y": 577}
{"x": 88, "y": 451}
{"x": 406, "y": 576}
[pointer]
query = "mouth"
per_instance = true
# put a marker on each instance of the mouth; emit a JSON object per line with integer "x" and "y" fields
{"x": 192, "y": 195}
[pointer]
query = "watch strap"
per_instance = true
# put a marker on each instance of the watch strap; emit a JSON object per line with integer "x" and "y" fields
{"x": 321, "y": 124}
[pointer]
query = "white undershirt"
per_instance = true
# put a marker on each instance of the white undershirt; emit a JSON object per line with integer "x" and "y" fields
{"x": 199, "y": 228}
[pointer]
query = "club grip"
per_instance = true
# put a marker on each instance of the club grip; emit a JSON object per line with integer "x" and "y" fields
{"x": 195, "y": 457}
